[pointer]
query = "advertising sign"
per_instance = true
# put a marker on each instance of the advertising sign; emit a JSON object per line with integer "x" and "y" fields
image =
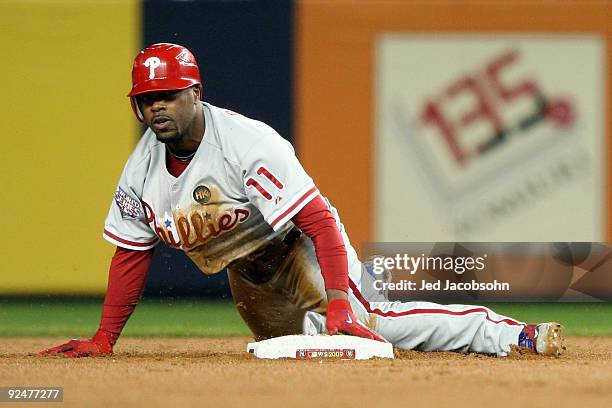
{"x": 495, "y": 138}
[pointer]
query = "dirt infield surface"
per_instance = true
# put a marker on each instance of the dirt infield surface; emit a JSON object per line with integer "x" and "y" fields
{"x": 218, "y": 372}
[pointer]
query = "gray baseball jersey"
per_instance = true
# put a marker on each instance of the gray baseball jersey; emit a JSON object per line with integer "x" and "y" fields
{"x": 239, "y": 190}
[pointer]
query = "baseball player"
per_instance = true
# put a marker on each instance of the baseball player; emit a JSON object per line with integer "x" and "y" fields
{"x": 230, "y": 192}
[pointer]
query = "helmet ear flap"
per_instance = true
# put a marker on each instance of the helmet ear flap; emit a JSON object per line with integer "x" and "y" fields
{"x": 136, "y": 109}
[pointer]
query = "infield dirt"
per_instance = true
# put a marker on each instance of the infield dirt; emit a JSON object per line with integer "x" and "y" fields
{"x": 208, "y": 372}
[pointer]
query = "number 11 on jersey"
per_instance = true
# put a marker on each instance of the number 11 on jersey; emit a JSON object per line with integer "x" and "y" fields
{"x": 262, "y": 171}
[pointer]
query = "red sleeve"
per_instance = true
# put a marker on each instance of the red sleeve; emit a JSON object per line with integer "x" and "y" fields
{"x": 316, "y": 221}
{"x": 126, "y": 281}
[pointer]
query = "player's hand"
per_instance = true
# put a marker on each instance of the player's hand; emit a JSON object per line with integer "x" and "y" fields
{"x": 340, "y": 319}
{"x": 99, "y": 345}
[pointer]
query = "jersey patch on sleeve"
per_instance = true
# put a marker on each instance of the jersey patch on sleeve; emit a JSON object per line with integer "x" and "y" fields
{"x": 128, "y": 206}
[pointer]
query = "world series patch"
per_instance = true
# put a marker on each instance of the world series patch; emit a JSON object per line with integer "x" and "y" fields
{"x": 128, "y": 206}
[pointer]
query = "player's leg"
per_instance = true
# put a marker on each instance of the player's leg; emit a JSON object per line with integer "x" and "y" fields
{"x": 429, "y": 326}
{"x": 266, "y": 312}
{"x": 274, "y": 287}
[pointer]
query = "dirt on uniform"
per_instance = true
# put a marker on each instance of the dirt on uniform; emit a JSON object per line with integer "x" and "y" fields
{"x": 205, "y": 372}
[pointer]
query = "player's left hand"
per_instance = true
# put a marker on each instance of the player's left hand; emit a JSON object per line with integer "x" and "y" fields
{"x": 98, "y": 345}
{"x": 340, "y": 319}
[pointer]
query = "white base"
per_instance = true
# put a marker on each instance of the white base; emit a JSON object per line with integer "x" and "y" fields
{"x": 321, "y": 346}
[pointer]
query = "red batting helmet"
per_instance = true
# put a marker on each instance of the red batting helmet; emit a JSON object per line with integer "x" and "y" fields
{"x": 162, "y": 67}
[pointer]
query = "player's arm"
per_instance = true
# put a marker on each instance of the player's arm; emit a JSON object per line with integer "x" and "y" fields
{"x": 316, "y": 221}
{"x": 126, "y": 280}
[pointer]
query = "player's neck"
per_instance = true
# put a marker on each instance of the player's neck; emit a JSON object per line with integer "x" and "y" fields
{"x": 180, "y": 156}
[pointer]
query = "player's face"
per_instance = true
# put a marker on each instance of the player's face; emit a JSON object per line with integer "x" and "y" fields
{"x": 170, "y": 114}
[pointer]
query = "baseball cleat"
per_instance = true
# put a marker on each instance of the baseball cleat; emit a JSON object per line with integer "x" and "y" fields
{"x": 543, "y": 338}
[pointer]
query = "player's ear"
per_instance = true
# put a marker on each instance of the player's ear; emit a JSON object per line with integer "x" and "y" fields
{"x": 197, "y": 93}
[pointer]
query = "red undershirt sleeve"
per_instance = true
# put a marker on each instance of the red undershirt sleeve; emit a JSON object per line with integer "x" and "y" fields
{"x": 126, "y": 281}
{"x": 316, "y": 221}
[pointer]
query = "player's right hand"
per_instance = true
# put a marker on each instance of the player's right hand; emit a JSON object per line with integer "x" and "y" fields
{"x": 98, "y": 345}
{"x": 341, "y": 319}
